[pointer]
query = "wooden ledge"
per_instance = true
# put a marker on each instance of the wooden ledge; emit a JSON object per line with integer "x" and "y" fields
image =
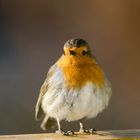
{"x": 101, "y": 135}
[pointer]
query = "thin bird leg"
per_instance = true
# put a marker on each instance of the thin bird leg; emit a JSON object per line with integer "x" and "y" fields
{"x": 59, "y": 127}
{"x": 60, "y": 130}
{"x": 44, "y": 122}
{"x": 83, "y": 130}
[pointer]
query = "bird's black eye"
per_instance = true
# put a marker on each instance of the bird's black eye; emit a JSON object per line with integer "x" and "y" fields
{"x": 84, "y": 52}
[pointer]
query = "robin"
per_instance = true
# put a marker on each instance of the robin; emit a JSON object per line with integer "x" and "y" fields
{"x": 76, "y": 87}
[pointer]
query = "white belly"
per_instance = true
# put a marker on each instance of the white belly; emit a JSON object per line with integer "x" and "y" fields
{"x": 75, "y": 104}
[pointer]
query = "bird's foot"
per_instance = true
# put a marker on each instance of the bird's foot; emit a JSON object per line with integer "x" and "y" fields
{"x": 67, "y": 133}
{"x": 90, "y": 131}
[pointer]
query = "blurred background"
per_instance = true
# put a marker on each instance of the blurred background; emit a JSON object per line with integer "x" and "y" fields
{"x": 32, "y": 34}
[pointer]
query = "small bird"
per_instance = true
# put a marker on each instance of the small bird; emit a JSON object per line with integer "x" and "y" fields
{"x": 76, "y": 87}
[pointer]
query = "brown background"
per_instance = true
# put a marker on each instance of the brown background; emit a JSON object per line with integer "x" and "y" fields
{"x": 32, "y": 34}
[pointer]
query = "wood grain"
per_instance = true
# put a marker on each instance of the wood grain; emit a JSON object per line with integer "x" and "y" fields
{"x": 101, "y": 135}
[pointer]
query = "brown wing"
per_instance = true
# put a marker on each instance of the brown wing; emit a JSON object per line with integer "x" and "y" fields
{"x": 43, "y": 90}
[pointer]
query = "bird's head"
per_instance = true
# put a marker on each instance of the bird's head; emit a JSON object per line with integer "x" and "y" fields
{"x": 77, "y": 47}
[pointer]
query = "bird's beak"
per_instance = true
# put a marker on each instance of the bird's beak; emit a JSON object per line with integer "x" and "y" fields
{"x": 72, "y": 53}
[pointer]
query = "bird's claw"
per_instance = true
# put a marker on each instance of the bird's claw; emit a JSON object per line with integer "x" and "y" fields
{"x": 67, "y": 133}
{"x": 90, "y": 131}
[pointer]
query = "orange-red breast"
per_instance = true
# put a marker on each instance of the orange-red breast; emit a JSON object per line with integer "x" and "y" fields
{"x": 76, "y": 87}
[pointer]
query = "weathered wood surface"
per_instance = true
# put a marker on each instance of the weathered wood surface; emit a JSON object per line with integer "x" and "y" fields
{"x": 101, "y": 135}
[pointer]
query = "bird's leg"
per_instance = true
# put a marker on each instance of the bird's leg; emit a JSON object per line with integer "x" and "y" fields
{"x": 60, "y": 130}
{"x": 44, "y": 123}
{"x": 59, "y": 127}
{"x": 83, "y": 130}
